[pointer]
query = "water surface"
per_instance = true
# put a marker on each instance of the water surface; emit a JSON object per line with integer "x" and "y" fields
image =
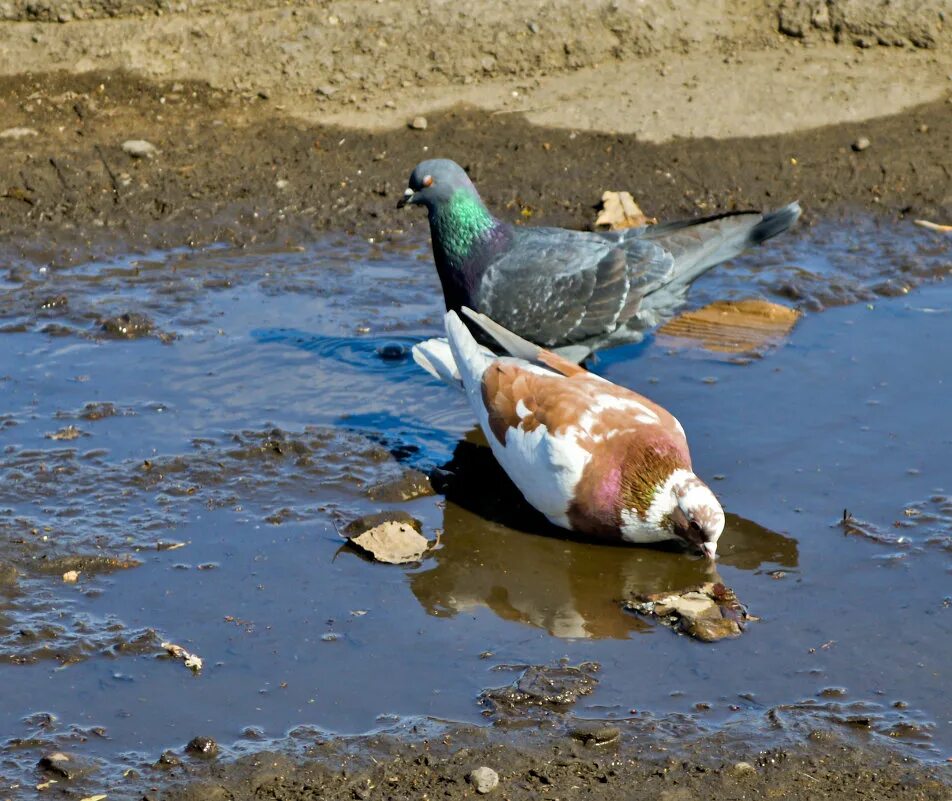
{"x": 274, "y": 400}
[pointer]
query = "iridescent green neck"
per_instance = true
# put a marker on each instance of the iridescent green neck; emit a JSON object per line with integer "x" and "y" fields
{"x": 460, "y": 222}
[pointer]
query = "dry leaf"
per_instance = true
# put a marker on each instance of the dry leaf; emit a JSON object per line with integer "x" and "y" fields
{"x": 192, "y": 661}
{"x": 743, "y": 326}
{"x": 99, "y": 797}
{"x": 71, "y": 576}
{"x": 392, "y": 542}
{"x": 619, "y": 211}
{"x": 945, "y": 229}
{"x": 709, "y": 612}
{"x": 45, "y": 785}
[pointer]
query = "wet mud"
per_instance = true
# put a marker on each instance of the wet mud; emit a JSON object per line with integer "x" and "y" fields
{"x": 73, "y": 192}
{"x": 594, "y": 764}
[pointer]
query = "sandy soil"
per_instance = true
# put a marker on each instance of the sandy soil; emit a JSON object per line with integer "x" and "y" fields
{"x": 297, "y": 115}
{"x": 277, "y": 120}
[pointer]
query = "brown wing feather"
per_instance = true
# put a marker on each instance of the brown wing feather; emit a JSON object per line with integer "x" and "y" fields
{"x": 559, "y": 402}
{"x": 559, "y": 363}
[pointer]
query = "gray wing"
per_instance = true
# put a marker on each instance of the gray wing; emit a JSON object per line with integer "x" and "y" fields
{"x": 556, "y": 287}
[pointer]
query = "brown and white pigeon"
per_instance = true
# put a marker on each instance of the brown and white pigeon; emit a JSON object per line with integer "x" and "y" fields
{"x": 575, "y": 291}
{"x": 591, "y": 456}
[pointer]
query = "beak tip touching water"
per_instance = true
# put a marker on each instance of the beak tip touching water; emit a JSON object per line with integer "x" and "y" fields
{"x": 709, "y": 549}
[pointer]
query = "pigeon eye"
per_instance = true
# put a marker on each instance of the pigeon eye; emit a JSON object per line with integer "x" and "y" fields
{"x": 427, "y": 180}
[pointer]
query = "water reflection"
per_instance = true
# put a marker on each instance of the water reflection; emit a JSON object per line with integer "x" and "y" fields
{"x": 499, "y": 553}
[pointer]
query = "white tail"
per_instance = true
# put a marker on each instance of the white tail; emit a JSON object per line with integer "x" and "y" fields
{"x": 470, "y": 357}
{"x": 514, "y": 344}
{"x": 434, "y": 356}
{"x": 438, "y": 357}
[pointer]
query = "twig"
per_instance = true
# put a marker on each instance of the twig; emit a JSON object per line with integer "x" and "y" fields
{"x": 59, "y": 173}
{"x": 945, "y": 229}
{"x": 112, "y": 176}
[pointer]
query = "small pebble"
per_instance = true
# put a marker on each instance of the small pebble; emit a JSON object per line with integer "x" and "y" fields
{"x": 17, "y": 133}
{"x": 202, "y": 746}
{"x": 129, "y": 325}
{"x": 595, "y": 734}
{"x": 66, "y": 766}
{"x": 419, "y": 124}
{"x": 138, "y": 148}
{"x": 484, "y": 780}
{"x": 55, "y": 763}
{"x": 168, "y": 759}
{"x": 741, "y": 768}
{"x": 861, "y": 144}
{"x": 393, "y": 351}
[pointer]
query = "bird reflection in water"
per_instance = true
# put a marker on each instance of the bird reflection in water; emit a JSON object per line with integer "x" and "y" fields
{"x": 499, "y": 553}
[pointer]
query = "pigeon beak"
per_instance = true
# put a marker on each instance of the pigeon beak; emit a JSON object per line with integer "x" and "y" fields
{"x": 709, "y": 549}
{"x": 407, "y": 198}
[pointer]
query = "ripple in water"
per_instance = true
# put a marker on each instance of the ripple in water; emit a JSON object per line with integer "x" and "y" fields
{"x": 374, "y": 354}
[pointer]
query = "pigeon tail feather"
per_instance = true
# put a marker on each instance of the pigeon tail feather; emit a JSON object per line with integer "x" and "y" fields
{"x": 710, "y": 241}
{"x": 434, "y": 356}
{"x": 774, "y": 222}
{"x": 563, "y": 360}
{"x": 513, "y": 344}
{"x": 470, "y": 357}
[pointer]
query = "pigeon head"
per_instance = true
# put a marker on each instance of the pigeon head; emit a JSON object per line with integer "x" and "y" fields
{"x": 695, "y": 514}
{"x": 460, "y": 223}
{"x": 435, "y": 182}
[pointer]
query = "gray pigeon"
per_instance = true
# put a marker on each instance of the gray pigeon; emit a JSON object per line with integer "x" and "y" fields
{"x": 571, "y": 291}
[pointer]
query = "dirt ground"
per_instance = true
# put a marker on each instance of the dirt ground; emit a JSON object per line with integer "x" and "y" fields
{"x": 286, "y": 120}
{"x": 536, "y": 765}
{"x": 280, "y": 120}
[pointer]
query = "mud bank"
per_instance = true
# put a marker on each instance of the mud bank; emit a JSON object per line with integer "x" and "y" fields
{"x": 276, "y": 117}
{"x": 232, "y": 168}
{"x": 567, "y": 766}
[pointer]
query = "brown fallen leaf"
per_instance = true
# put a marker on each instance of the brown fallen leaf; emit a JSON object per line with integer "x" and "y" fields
{"x": 727, "y": 326}
{"x": 619, "y": 211}
{"x": 945, "y": 229}
{"x": 192, "y": 661}
{"x": 395, "y": 543}
{"x": 709, "y": 612}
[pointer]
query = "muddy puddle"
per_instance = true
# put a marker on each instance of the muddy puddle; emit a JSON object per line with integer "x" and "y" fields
{"x": 183, "y": 435}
